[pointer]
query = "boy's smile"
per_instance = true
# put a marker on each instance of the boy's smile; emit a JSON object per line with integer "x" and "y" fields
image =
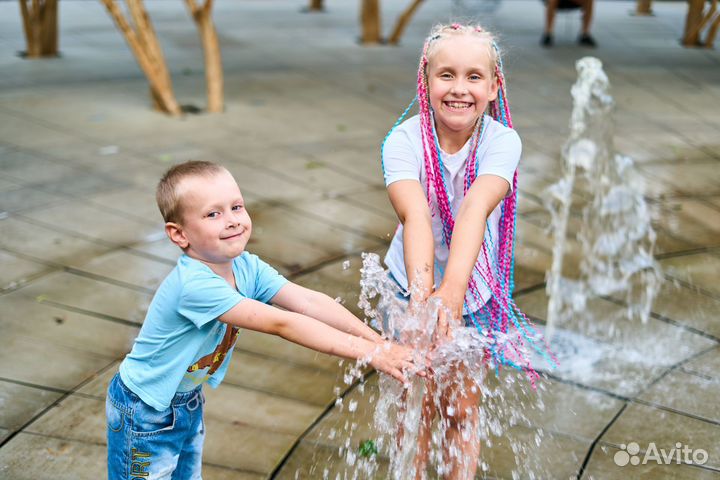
{"x": 215, "y": 224}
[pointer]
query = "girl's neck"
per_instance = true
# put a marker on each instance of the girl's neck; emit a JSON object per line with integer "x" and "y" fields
{"x": 452, "y": 142}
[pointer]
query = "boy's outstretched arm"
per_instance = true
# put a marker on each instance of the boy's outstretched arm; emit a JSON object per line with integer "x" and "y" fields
{"x": 485, "y": 194}
{"x": 321, "y": 307}
{"x": 306, "y": 331}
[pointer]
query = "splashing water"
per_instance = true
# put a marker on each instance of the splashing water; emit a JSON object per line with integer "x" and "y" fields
{"x": 616, "y": 239}
{"x": 397, "y": 410}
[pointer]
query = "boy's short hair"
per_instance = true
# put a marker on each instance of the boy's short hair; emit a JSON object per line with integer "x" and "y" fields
{"x": 168, "y": 199}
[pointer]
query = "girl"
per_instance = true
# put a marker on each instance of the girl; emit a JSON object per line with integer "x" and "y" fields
{"x": 451, "y": 177}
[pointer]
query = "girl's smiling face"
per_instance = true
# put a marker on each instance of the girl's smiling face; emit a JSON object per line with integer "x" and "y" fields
{"x": 461, "y": 83}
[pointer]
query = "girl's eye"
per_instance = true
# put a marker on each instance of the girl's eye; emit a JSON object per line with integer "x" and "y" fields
{"x": 475, "y": 77}
{"x": 445, "y": 75}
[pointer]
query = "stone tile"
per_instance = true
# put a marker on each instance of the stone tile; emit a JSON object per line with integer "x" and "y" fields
{"x": 84, "y": 219}
{"x": 230, "y": 424}
{"x": 707, "y": 364}
{"x": 688, "y": 307}
{"x": 353, "y": 217}
{"x": 17, "y": 271}
{"x": 15, "y": 414}
{"x": 90, "y": 295}
{"x": 691, "y": 220}
{"x": 313, "y": 460}
{"x": 241, "y": 406}
{"x": 97, "y": 386}
{"x": 375, "y": 199}
{"x": 277, "y": 377}
{"x": 316, "y": 176}
{"x": 337, "y": 282}
{"x": 126, "y": 267}
{"x": 47, "y": 364}
{"x": 45, "y": 323}
{"x": 295, "y": 240}
{"x": 162, "y": 248}
{"x": 29, "y": 457}
{"x": 19, "y": 199}
{"x": 46, "y": 243}
{"x": 136, "y": 202}
{"x": 688, "y": 178}
{"x": 556, "y": 456}
{"x": 697, "y": 398}
{"x": 29, "y": 168}
{"x": 76, "y": 419}
{"x": 277, "y": 347}
{"x": 602, "y": 465}
{"x": 643, "y": 425}
{"x": 569, "y": 410}
{"x": 699, "y": 270}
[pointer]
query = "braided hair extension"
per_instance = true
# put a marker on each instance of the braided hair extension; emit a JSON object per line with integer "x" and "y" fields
{"x": 494, "y": 318}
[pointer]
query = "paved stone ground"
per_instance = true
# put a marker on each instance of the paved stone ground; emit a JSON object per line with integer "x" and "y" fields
{"x": 82, "y": 247}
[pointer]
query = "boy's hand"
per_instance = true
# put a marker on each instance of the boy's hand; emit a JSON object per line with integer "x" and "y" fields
{"x": 395, "y": 360}
{"x": 449, "y": 314}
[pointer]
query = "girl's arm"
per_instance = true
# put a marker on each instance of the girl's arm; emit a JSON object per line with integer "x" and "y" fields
{"x": 483, "y": 197}
{"x": 319, "y": 306}
{"x": 411, "y": 206}
{"x": 308, "y": 332}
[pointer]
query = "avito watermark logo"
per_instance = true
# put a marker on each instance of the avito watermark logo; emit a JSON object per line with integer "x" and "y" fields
{"x": 629, "y": 454}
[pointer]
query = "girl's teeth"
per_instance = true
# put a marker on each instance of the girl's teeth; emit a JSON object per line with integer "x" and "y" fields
{"x": 458, "y": 105}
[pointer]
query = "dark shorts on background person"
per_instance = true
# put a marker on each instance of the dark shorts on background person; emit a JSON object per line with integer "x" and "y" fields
{"x": 147, "y": 443}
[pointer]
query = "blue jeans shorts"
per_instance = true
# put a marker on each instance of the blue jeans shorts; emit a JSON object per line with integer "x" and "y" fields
{"x": 144, "y": 443}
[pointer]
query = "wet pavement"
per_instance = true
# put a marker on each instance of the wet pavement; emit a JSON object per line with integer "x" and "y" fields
{"x": 82, "y": 245}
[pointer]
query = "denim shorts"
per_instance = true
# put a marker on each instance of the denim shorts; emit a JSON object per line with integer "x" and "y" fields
{"x": 144, "y": 443}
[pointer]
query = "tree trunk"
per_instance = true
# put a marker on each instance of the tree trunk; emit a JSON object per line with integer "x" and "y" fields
{"x": 370, "y": 19}
{"x": 145, "y": 46}
{"x": 315, "y": 6}
{"x": 40, "y": 20}
{"x": 202, "y": 15}
{"x": 403, "y": 21}
{"x": 643, "y": 7}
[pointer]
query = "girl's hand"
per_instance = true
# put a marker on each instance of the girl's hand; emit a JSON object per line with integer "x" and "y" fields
{"x": 449, "y": 314}
{"x": 395, "y": 360}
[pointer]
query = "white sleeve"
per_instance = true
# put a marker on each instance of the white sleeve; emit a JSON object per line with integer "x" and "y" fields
{"x": 502, "y": 156}
{"x": 400, "y": 159}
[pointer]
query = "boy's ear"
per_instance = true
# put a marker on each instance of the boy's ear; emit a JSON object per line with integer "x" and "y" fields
{"x": 176, "y": 234}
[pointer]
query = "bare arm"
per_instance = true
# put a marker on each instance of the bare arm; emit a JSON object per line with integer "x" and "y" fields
{"x": 319, "y": 306}
{"x": 411, "y": 206}
{"x": 483, "y": 197}
{"x": 308, "y": 332}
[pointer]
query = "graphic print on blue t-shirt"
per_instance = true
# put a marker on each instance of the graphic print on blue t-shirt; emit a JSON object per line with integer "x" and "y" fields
{"x": 201, "y": 370}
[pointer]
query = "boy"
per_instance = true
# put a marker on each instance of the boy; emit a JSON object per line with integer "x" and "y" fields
{"x": 154, "y": 404}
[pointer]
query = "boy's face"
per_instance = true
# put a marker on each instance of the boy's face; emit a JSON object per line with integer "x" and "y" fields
{"x": 215, "y": 226}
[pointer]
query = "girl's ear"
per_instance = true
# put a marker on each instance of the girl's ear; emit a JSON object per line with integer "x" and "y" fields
{"x": 176, "y": 234}
{"x": 494, "y": 87}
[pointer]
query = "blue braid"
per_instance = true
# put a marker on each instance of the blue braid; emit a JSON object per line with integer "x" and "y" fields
{"x": 397, "y": 122}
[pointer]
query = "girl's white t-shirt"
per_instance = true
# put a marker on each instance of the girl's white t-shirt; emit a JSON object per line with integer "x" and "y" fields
{"x": 498, "y": 154}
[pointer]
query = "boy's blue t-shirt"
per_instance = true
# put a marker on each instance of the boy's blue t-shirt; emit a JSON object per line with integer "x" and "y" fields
{"x": 182, "y": 343}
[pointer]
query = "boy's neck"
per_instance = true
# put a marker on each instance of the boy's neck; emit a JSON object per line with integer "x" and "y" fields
{"x": 224, "y": 269}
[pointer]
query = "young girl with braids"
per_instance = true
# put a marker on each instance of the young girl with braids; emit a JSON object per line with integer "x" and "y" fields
{"x": 451, "y": 177}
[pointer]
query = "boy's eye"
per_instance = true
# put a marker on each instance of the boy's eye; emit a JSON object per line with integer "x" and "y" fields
{"x": 237, "y": 208}
{"x": 213, "y": 214}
